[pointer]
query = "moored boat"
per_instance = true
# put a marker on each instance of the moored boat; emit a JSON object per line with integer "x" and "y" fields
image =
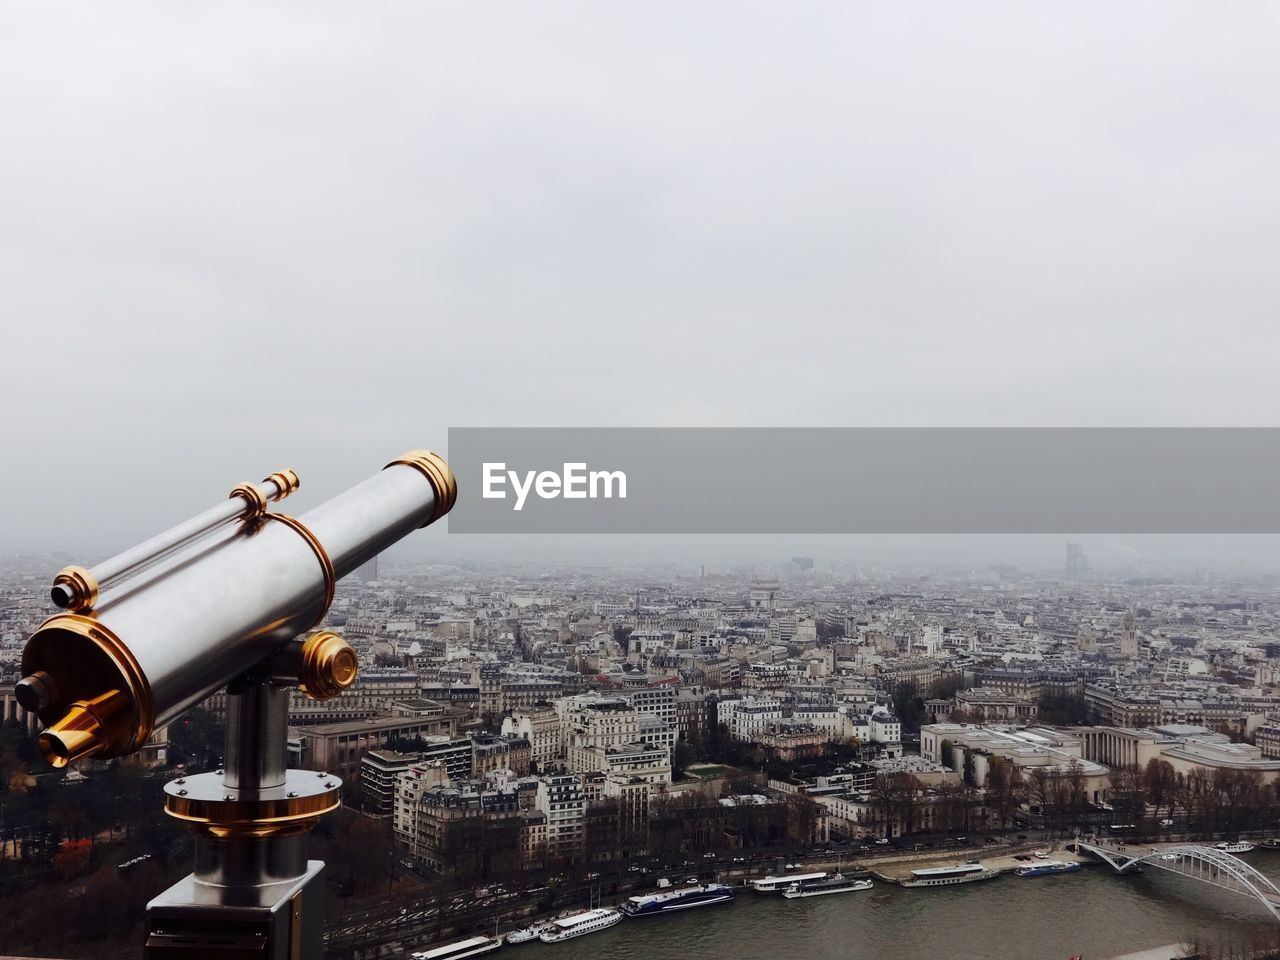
{"x": 946, "y": 876}
{"x": 471, "y": 947}
{"x": 579, "y": 924}
{"x": 780, "y": 884}
{"x": 1236, "y": 846}
{"x": 523, "y": 935}
{"x": 685, "y": 898}
{"x": 1047, "y": 867}
{"x": 837, "y": 883}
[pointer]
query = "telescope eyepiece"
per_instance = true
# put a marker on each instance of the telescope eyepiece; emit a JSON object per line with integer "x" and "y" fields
{"x": 74, "y": 588}
{"x": 85, "y": 729}
{"x": 36, "y": 692}
{"x": 59, "y": 749}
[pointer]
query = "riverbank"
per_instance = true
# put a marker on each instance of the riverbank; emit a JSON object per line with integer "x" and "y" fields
{"x": 1091, "y": 913}
{"x": 1170, "y": 951}
{"x": 893, "y": 868}
{"x": 1006, "y": 862}
{"x": 442, "y": 920}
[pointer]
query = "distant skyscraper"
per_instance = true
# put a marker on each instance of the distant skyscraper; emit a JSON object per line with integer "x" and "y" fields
{"x": 1129, "y": 637}
{"x": 368, "y": 571}
{"x": 1077, "y": 564}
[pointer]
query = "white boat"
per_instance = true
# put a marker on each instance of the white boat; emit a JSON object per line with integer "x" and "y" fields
{"x": 837, "y": 883}
{"x": 580, "y": 924}
{"x": 945, "y": 876}
{"x": 523, "y": 935}
{"x": 1238, "y": 846}
{"x": 472, "y": 947}
{"x": 684, "y": 898}
{"x": 779, "y": 884}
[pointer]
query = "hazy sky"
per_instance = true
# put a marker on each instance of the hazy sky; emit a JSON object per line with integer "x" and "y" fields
{"x": 235, "y": 237}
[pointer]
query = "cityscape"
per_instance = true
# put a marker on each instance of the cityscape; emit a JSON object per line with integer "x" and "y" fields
{"x": 749, "y": 481}
{"x": 537, "y": 752}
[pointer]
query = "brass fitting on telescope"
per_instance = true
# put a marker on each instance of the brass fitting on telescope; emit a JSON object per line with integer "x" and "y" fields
{"x": 251, "y": 495}
{"x": 75, "y": 588}
{"x": 436, "y": 470}
{"x": 85, "y": 729}
{"x": 328, "y": 667}
{"x": 80, "y": 721}
{"x": 211, "y": 809}
{"x": 286, "y": 482}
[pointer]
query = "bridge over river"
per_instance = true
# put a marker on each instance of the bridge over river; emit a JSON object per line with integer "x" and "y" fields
{"x": 1204, "y": 864}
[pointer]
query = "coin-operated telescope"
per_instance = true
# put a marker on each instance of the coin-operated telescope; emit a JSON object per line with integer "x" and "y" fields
{"x": 221, "y": 601}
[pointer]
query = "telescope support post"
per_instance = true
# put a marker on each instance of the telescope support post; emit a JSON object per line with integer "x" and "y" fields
{"x": 253, "y": 892}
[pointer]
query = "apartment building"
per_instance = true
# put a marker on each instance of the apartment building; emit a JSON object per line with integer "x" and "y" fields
{"x": 559, "y": 799}
{"x": 540, "y": 725}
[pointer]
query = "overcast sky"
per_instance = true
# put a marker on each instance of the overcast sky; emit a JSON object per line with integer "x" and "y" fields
{"x": 236, "y": 237}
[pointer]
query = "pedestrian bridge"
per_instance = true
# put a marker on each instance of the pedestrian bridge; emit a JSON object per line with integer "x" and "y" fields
{"x": 1205, "y": 864}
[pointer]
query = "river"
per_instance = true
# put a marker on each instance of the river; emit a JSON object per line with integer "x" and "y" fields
{"x": 1093, "y": 913}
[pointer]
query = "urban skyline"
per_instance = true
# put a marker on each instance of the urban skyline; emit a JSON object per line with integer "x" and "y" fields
{"x": 511, "y": 726}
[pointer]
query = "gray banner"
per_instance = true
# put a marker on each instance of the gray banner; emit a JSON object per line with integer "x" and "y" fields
{"x": 855, "y": 480}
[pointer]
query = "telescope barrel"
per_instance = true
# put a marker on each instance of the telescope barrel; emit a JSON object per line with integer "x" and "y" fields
{"x": 75, "y": 588}
{"x": 101, "y": 680}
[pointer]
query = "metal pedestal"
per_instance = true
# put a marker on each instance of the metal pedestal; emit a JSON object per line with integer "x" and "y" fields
{"x": 253, "y": 892}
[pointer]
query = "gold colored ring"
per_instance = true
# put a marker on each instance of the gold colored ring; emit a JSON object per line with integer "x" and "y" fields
{"x": 208, "y": 807}
{"x": 326, "y": 565}
{"x": 438, "y": 474}
{"x": 257, "y": 818}
{"x": 83, "y": 586}
{"x": 286, "y": 482}
{"x": 129, "y": 671}
{"x": 254, "y": 830}
{"x": 251, "y": 495}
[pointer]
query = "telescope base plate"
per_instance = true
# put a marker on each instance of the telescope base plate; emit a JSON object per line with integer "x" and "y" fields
{"x": 208, "y": 806}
